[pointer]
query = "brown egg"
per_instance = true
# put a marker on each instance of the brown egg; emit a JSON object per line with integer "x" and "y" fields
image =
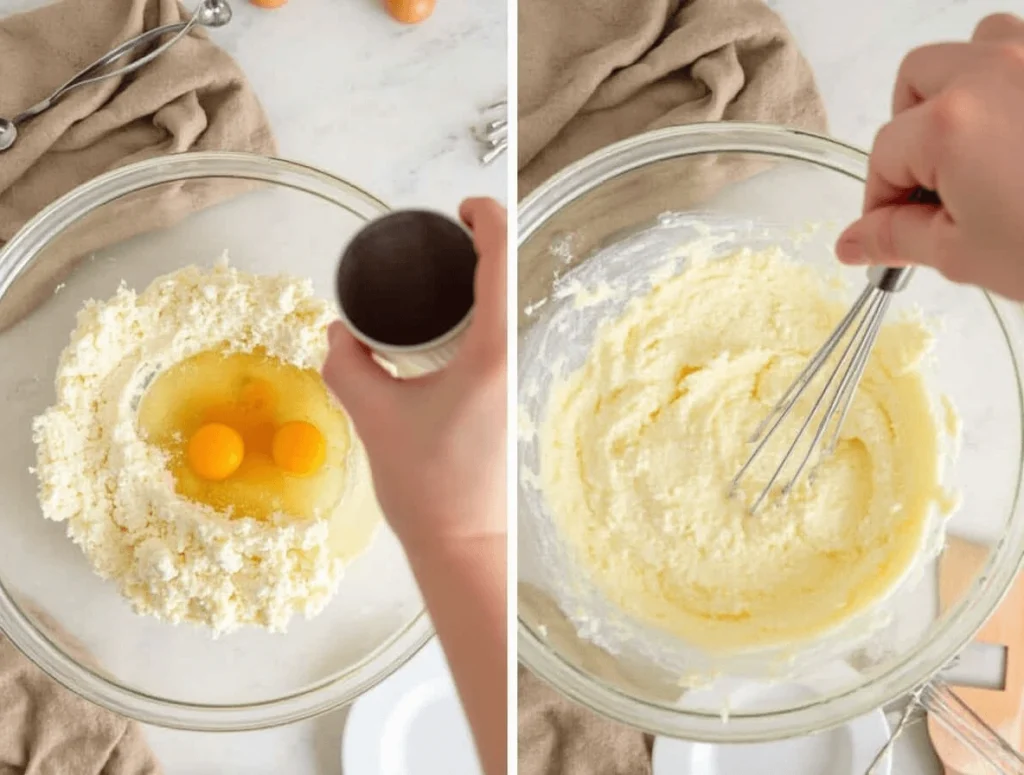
{"x": 268, "y": 3}
{"x": 410, "y": 11}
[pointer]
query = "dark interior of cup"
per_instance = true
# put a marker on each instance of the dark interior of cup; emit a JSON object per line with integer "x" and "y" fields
{"x": 407, "y": 278}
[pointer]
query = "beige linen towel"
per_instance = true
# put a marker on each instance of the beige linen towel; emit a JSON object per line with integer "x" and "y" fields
{"x": 591, "y": 73}
{"x": 193, "y": 97}
{"x": 47, "y": 730}
{"x": 559, "y": 737}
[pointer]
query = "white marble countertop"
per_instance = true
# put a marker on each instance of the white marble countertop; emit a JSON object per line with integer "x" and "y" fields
{"x": 855, "y": 49}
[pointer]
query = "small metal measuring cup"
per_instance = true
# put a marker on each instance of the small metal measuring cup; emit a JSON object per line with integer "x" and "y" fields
{"x": 405, "y": 289}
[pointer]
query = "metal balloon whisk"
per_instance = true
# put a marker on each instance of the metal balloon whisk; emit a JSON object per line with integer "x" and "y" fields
{"x": 830, "y": 408}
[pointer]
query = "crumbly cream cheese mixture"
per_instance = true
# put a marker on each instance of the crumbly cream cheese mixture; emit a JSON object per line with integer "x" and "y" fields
{"x": 639, "y": 445}
{"x": 173, "y": 557}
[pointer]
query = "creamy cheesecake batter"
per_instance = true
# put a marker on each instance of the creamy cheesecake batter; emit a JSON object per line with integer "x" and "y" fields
{"x": 638, "y": 447}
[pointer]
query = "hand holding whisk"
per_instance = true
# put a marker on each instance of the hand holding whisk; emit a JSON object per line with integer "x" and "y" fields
{"x": 833, "y": 403}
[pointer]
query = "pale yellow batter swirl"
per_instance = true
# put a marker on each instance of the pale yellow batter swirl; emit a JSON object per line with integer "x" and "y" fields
{"x": 639, "y": 445}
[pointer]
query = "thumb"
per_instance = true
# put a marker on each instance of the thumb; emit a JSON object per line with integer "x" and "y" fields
{"x": 356, "y": 379}
{"x": 488, "y": 222}
{"x": 896, "y": 235}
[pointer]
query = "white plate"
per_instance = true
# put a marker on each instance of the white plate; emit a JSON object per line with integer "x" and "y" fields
{"x": 411, "y": 724}
{"x": 846, "y": 750}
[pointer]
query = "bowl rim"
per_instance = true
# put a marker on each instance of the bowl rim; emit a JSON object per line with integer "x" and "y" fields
{"x": 903, "y": 677}
{"x": 94, "y": 685}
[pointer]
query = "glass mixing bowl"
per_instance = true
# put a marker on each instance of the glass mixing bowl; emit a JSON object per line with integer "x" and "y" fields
{"x": 768, "y": 186}
{"x": 288, "y": 219}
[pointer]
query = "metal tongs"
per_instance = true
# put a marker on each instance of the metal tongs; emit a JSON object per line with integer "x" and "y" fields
{"x": 209, "y": 13}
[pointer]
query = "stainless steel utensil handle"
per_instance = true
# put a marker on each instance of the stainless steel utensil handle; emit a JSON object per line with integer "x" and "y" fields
{"x": 890, "y": 279}
{"x": 942, "y": 702}
{"x": 895, "y": 279}
{"x": 88, "y": 75}
{"x": 493, "y": 135}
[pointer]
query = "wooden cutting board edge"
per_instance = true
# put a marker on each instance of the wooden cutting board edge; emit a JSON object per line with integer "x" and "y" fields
{"x": 1001, "y": 709}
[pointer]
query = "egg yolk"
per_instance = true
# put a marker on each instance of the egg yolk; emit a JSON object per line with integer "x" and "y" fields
{"x": 249, "y": 435}
{"x": 215, "y": 451}
{"x": 299, "y": 448}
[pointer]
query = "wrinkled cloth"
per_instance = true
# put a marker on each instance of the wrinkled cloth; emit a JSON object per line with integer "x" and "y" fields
{"x": 47, "y": 730}
{"x": 559, "y": 737}
{"x": 193, "y": 97}
{"x": 555, "y": 735}
{"x": 593, "y": 72}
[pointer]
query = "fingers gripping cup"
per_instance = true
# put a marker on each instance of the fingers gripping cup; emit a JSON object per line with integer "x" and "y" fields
{"x": 405, "y": 289}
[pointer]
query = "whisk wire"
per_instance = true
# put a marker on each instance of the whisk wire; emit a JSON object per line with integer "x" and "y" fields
{"x": 841, "y": 329}
{"x": 805, "y": 376}
{"x": 785, "y": 405}
{"x": 857, "y": 372}
{"x": 864, "y": 318}
{"x": 862, "y": 345}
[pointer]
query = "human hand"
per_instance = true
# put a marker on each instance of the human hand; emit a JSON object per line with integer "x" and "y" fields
{"x": 958, "y": 113}
{"x": 437, "y": 443}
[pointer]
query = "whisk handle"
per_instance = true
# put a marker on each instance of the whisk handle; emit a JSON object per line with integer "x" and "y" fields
{"x": 894, "y": 279}
{"x": 890, "y": 279}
